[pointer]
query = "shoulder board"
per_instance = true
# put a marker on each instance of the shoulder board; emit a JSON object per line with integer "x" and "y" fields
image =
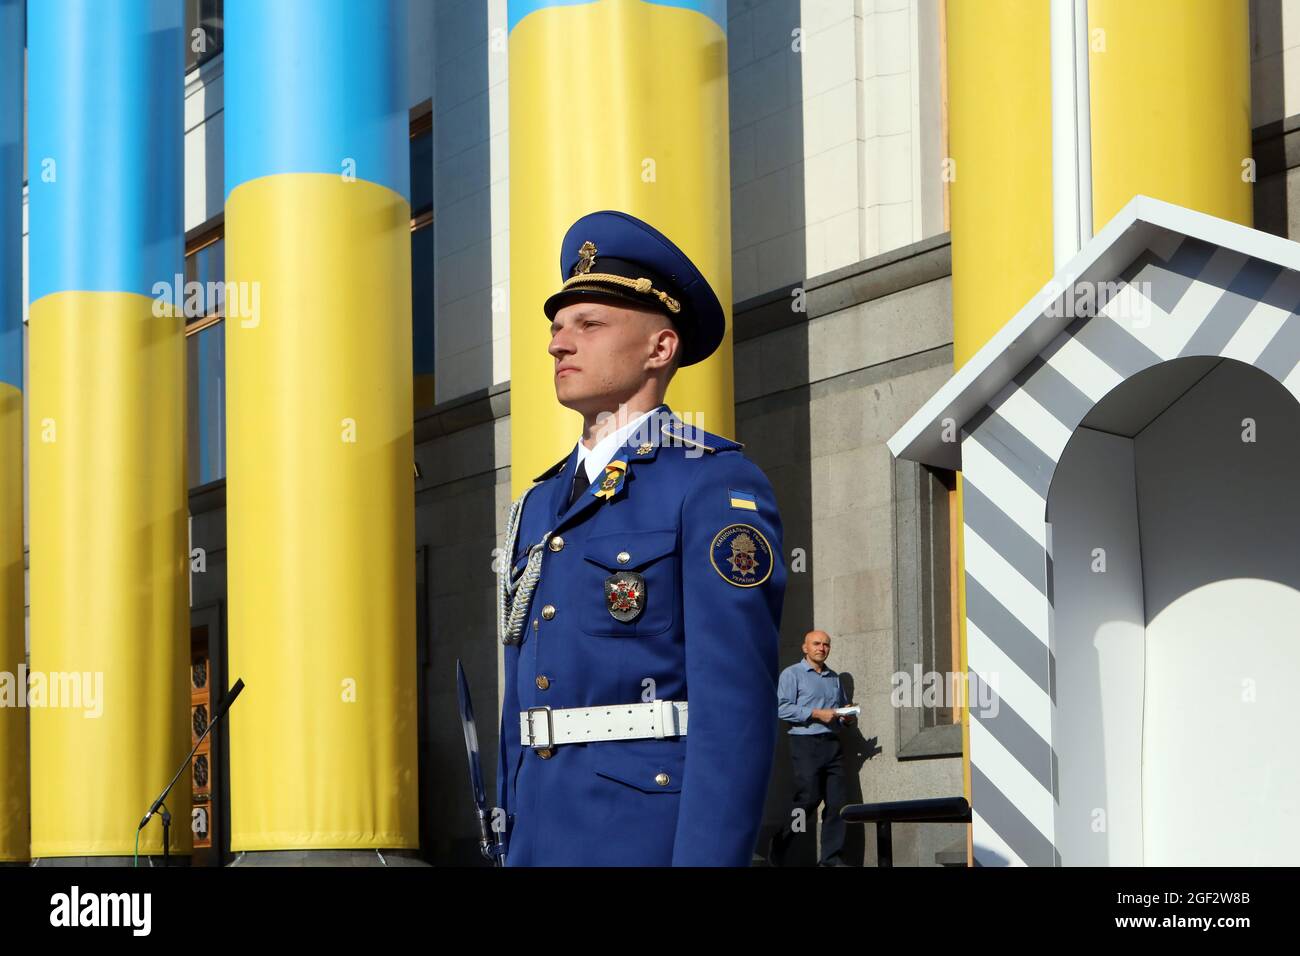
{"x": 698, "y": 438}
{"x": 553, "y": 470}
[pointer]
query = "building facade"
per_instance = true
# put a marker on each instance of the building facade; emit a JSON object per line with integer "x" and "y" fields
{"x": 843, "y": 327}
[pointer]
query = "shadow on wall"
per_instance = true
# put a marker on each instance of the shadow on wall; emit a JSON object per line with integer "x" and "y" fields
{"x": 857, "y": 751}
{"x": 456, "y": 528}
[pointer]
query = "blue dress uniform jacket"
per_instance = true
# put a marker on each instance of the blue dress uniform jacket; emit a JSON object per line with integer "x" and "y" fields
{"x": 700, "y": 526}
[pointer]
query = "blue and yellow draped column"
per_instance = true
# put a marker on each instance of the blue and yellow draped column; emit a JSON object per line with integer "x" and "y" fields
{"x": 614, "y": 104}
{"x": 320, "y": 459}
{"x": 106, "y": 430}
{"x": 14, "y": 822}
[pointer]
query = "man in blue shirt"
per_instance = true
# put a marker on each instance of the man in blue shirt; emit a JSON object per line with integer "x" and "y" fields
{"x": 808, "y": 694}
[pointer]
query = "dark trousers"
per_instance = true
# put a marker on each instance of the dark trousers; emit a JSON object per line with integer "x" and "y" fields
{"x": 818, "y": 777}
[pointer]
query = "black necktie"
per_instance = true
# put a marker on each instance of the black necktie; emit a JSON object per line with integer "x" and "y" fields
{"x": 580, "y": 484}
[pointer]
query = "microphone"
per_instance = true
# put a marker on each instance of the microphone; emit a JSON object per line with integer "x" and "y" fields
{"x": 225, "y": 703}
{"x": 158, "y": 804}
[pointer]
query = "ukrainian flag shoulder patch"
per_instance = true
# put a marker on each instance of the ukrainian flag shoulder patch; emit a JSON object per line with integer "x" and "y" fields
{"x": 742, "y": 500}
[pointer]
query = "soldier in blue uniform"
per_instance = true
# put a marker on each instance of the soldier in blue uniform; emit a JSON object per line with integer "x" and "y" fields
{"x": 640, "y": 610}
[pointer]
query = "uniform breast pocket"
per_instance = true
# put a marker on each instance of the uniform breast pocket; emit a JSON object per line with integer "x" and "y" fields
{"x": 630, "y": 583}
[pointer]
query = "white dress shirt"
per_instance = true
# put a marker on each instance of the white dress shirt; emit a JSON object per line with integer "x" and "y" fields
{"x": 599, "y": 455}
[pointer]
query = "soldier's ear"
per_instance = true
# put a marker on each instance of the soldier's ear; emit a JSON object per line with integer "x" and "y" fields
{"x": 668, "y": 338}
{"x": 678, "y": 353}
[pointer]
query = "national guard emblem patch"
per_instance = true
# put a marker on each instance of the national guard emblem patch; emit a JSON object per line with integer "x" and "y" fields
{"x": 625, "y": 595}
{"x": 742, "y": 555}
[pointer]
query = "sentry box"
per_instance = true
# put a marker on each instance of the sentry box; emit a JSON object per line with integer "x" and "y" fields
{"x": 1129, "y": 445}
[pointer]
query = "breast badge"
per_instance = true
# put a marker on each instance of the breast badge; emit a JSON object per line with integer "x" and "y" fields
{"x": 612, "y": 483}
{"x": 742, "y": 555}
{"x": 625, "y": 595}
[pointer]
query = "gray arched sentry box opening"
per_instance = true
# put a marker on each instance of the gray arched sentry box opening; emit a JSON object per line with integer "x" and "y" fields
{"x": 1130, "y": 453}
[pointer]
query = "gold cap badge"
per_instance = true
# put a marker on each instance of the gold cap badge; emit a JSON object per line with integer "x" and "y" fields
{"x": 586, "y": 258}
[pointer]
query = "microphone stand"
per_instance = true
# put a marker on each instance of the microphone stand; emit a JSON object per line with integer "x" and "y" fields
{"x": 158, "y": 806}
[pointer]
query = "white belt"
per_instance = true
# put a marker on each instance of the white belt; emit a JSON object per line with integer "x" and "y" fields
{"x": 544, "y": 727}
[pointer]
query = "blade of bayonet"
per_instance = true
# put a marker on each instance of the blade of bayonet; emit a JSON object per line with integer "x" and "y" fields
{"x": 471, "y": 738}
{"x": 489, "y": 840}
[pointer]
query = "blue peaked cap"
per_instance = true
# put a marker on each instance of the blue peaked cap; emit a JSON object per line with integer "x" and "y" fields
{"x": 613, "y": 256}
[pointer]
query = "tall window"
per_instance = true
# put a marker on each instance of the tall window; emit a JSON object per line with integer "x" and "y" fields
{"x": 925, "y": 682}
{"x": 422, "y": 254}
{"x": 203, "y": 31}
{"x": 205, "y": 263}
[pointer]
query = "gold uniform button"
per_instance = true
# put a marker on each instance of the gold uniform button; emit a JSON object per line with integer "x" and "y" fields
{"x": 548, "y": 612}
{"x": 543, "y": 682}
{"x": 662, "y": 779}
{"x": 557, "y": 543}
{"x": 623, "y": 557}
{"x": 545, "y": 753}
